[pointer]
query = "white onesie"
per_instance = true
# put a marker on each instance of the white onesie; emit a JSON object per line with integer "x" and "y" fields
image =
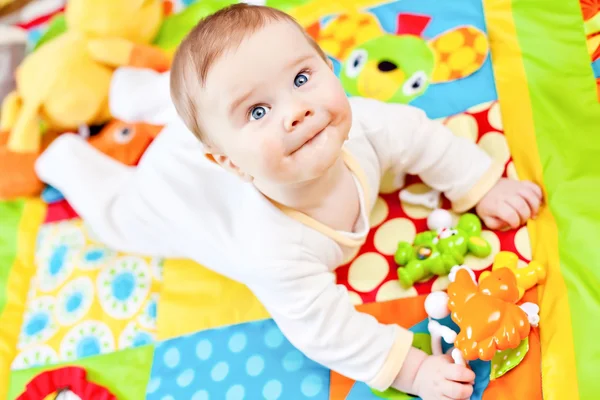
{"x": 176, "y": 203}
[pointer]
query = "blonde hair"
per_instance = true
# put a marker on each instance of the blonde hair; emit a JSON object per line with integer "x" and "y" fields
{"x": 213, "y": 35}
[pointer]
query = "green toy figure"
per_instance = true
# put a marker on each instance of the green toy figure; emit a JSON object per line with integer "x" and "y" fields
{"x": 436, "y": 252}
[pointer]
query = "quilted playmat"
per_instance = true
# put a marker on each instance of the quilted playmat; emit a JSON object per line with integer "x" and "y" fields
{"x": 513, "y": 76}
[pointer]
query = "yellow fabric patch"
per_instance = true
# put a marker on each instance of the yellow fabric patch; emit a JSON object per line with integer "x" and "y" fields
{"x": 194, "y": 298}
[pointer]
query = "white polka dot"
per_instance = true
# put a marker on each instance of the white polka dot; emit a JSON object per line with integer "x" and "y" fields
{"x": 389, "y": 234}
{"x": 464, "y": 125}
{"x": 219, "y": 371}
{"x": 293, "y": 361}
{"x": 367, "y": 272}
{"x": 479, "y": 108}
{"x": 416, "y": 211}
{"x": 393, "y": 290}
{"x": 495, "y": 144}
{"x": 272, "y": 390}
{"x": 171, "y": 357}
{"x": 505, "y": 357}
{"x": 388, "y": 183}
{"x": 203, "y": 349}
{"x": 522, "y": 242}
{"x": 185, "y": 378}
{"x": 153, "y": 385}
{"x": 355, "y": 298}
{"x": 518, "y": 353}
{"x": 311, "y": 386}
{"x": 273, "y": 338}
{"x": 167, "y": 397}
{"x": 495, "y": 117}
{"x": 255, "y": 365}
{"x": 235, "y": 392}
{"x": 508, "y": 362}
{"x": 478, "y": 264}
{"x": 237, "y": 342}
{"x": 200, "y": 395}
{"x": 441, "y": 283}
{"x": 379, "y": 213}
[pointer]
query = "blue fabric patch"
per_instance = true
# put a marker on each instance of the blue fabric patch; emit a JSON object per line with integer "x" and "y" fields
{"x": 246, "y": 361}
{"x": 51, "y": 195}
{"x": 596, "y": 68}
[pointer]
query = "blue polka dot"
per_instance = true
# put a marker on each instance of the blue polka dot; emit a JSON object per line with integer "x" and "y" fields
{"x": 37, "y": 323}
{"x": 237, "y": 342}
{"x": 219, "y": 371}
{"x": 272, "y": 390}
{"x": 57, "y": 259}
{"x": 171, "y": 357}
{"x": 153, "y": 385}
{"x": 74, "y": 302}
{"x": 273, "y": 338}
{"x": 293, "y": 361}
{"x": 123, "y": 286}
{"x": 203, "y": 350}
{"x": 142, "y": 339}
{"x": 185, "y": 378}
{"x": 88, "y": 346}
{"x": 255, "y": 365}
{"x": 200, "y": 395}
{"x": 235, "y": 392}
{"x": 94, "y": 255}
{"x": 311, "y": 386}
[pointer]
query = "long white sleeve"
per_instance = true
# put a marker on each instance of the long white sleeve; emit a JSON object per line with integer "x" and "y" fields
{"x": 406, "y": 141}
{"x": 316, "y": 315}
{"x": 105, "y": 194}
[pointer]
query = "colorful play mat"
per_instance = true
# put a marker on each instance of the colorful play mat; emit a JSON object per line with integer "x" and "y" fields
{"x": 519, "y": 78}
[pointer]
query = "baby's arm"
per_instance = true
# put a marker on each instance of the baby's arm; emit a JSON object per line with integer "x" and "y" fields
{"x": 316, "y": 315}
{"x": 407, "y": 141}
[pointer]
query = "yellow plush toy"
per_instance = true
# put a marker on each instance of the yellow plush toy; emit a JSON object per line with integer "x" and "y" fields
{"x": 66, "y": 82}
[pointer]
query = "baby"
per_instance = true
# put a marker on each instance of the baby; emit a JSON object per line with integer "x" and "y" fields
{"x": 283, "y": 196}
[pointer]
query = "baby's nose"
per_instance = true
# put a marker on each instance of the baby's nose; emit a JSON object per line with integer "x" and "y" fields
{"x": 297, "y": 117}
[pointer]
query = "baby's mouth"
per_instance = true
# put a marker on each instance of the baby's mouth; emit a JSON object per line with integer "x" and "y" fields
{"x": 308, "y": 141}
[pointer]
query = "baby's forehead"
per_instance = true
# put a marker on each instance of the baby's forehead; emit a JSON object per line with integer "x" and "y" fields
{"x": 259, "y": 58}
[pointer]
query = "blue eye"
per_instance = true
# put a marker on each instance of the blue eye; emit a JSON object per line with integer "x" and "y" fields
{"x": 301, "y": 79}
{"x": 258, "y": 112}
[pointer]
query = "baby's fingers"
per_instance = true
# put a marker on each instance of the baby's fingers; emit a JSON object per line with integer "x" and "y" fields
{"x": 509, "y": 215}
{"x": 534, "y": 188}
{"x": 457, "y": 391}
{"x": 522, "y": 208}
{"x": 532, "y": 199}
{"x": 458, "y": 373}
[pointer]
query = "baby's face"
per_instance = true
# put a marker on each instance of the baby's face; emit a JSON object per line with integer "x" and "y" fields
{"x": 274, "y": 108}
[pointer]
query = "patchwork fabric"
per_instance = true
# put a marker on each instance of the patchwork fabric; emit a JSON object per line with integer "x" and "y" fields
{"x": 85, "y": 299}
{"x": 245, "y": 361}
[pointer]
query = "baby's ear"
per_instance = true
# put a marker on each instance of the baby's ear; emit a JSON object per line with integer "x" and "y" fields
{"x": 226, "y": 163}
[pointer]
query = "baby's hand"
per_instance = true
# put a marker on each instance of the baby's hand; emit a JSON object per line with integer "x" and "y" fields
{"x": 509, "y": 203}
{"x": 439, "y": 378}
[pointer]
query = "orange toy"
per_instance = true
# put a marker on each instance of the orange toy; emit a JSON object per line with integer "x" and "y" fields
{"x": 125, "y": 142}
{"x": 487, "y": 315}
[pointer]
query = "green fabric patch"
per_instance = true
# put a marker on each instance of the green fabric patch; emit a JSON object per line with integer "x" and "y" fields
{"x": 506, "y": 360}
{"x": 566, "y": 114}
{"x": 125, "y": 373}
{"x": 10, "y": 217}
